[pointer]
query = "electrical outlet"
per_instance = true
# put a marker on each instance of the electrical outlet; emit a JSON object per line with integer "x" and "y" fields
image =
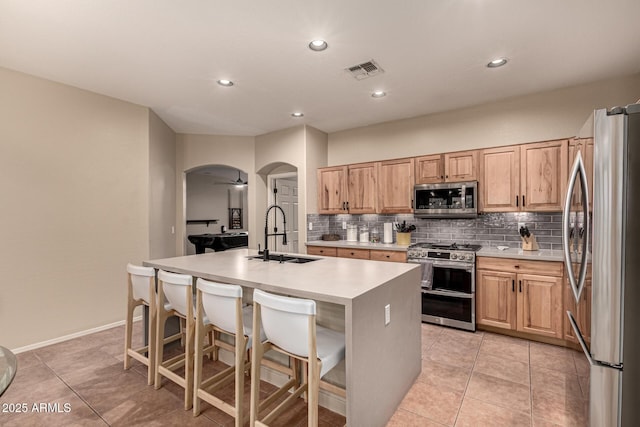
{"x": 521, "y": 224}
{"x": 344, "y": 225}
{"x": 310, "y": 226}
{"x": 387, "y": 314}
{"x": 173, "y": 229}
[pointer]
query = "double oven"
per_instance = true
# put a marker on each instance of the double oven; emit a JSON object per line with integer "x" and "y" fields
{"x": 448, "y": 284}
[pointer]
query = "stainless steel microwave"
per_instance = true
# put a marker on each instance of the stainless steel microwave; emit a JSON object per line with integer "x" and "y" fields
{"x": 446, "y": 200}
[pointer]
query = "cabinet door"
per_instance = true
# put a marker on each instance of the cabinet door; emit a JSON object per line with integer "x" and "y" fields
{"x": 332, "y": 190}
{"x": 361, "y": 188}
{"x": 321, "y": 250}
{"x": 499, "y": 181}
{"x": 496, "y": 299}
{"x": 540, "y": 305}
{"x": 429, "y": 169}
{"x": 585, "y": 147}
{"x": 391, "y": 256}
{"x": 543, "y": 175}
{"x": 461, "y": 166}
{"x": 353, "y": 253}
{"x": 395, "y": 186}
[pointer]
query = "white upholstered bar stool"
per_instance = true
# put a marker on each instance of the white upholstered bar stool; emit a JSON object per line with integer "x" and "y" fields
{"x": 290, "y": 327}
{"x": 141, "y": 291}
{"x": 219, "y": 310}
{"x": 178, "y": 291}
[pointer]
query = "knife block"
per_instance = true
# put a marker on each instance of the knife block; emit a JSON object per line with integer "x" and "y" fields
{"x": 529, "y": 243}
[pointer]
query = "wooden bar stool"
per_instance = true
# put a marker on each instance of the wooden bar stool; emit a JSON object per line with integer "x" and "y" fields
{"x": 219, "y": 310}
{"x": 141, "y": 291}
{"x": 177, "y": 289}
{"x": 290, "y": 327}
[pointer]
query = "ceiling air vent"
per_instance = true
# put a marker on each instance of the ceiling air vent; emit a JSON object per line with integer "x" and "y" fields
{"x": 365, "y": 70}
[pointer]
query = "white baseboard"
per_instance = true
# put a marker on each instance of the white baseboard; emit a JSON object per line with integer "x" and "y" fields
{"x": 327, "y": 400}
{"x": 71, "y": 336}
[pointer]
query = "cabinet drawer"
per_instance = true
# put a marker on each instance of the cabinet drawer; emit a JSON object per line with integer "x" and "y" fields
{"x": 548, "y": 268}
{"x": 320, "y": 250}
{"x": 393, "y": 256}
{"x": 353, "y": 253}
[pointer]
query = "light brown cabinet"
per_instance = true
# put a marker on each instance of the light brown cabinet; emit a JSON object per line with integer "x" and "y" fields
{"x": 529, "y": 177}
{"x": 395, "y": 186}
{"x": 499, "y": 182}
{"x": 358, "y": 253}
{"x": 581, "y": 311}
{"x": 524, "y": 296}
{"x": 585, "y": 147}
{"x": 347, "y": 189}
{"x": 332, "y": 193}
{"x": 448, "y": 167}
{"x": 322, "y": 251}
{"x": 543, "y": 175}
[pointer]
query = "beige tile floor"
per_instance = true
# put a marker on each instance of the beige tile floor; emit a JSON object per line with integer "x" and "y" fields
{"x": 467, "y": 379}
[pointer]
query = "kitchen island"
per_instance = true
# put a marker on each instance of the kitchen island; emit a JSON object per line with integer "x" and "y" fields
{"x": 382, "y": 361}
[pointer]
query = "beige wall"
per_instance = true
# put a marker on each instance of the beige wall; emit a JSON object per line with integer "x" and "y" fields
{"x": 74, "y": 183}
{"x": 193, "y": 151}
{"x": 162, "y": 188}
{"x": 316, "y": 157}
{"x": 538, "y": 117}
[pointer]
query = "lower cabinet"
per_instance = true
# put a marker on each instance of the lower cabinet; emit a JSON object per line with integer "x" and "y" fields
{"x": 321, "y": 250}
{"x": 581, "y": 311}
{"x": 357, "y": 253}
{"x": 524, "y": 296}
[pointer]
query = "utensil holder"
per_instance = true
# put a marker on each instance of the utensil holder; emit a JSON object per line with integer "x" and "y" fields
{"x": 529, "y": 243}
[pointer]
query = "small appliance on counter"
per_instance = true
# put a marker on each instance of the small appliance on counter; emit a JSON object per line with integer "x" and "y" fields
{"x": 529, "y": 242}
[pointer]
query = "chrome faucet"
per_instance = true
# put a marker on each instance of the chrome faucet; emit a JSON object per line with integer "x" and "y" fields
{"x": 265, "y": 253}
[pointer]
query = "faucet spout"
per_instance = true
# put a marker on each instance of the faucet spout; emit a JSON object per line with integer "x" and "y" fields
{"x": 275, "y": 228}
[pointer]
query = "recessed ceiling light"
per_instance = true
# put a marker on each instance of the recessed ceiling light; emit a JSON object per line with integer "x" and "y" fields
{"x": 379, "y": 94}
{"x": 297, "y": 114}
{"x": 497, "y": 63}
{"x": 318, "y": 45}
{"x": 225, "y": 82}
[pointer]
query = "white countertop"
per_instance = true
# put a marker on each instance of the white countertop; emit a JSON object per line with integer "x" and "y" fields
{"x": 517, "y": 253}
{"x": 331, "y": 279}
{"x": 357, "y": 245}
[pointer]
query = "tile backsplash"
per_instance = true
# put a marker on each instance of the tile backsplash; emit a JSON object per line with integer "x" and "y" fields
{"x": 488, "y": 230}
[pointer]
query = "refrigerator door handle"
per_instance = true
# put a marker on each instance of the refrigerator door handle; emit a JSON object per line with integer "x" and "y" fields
{"x": 577, "y": 171}
{"x": 585, "y": 349}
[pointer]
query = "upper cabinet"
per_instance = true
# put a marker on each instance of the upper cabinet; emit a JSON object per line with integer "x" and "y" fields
{"x": 585, "y": 147}
{"x": 347, "y": 189}
{"x": 361, "y": 188}
{"x": 543, "y": 175}
{"x": 449, "y": 167}
{"x": 500, "y": 179}
{"x": 332, "y": 192}
{"x": 528, "y": 177}
{"x": 395, "y": 186}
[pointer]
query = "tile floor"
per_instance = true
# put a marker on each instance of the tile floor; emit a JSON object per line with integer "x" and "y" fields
{"x": 467, "y": 379}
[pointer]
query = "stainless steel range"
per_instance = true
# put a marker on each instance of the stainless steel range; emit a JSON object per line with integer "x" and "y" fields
{"x": 448, "y": 283}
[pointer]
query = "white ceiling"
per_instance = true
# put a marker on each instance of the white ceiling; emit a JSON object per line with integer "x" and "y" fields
{"x": 168, "y": 54}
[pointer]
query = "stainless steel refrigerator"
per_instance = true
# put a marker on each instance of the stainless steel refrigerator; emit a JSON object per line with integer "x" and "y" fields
{"x": 614, "y": 349}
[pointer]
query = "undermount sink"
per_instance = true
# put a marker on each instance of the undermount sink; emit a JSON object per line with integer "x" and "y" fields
{"x": 286, "y": 258}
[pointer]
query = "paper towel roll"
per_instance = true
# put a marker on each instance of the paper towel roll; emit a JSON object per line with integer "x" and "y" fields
{"x": 388, "y": 233}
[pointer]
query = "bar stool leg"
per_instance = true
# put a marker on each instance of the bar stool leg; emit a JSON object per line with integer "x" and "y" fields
{"x": 256, "y": 360}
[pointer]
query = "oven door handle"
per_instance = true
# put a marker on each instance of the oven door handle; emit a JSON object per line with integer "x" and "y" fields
{"x": 447, "y": 294}
{"x": 457, "y": 265}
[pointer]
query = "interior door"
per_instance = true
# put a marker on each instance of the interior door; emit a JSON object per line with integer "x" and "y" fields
{"x": 286, "y": 196}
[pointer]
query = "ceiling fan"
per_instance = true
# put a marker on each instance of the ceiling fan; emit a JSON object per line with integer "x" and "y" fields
{"x": 239, "y": 182}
